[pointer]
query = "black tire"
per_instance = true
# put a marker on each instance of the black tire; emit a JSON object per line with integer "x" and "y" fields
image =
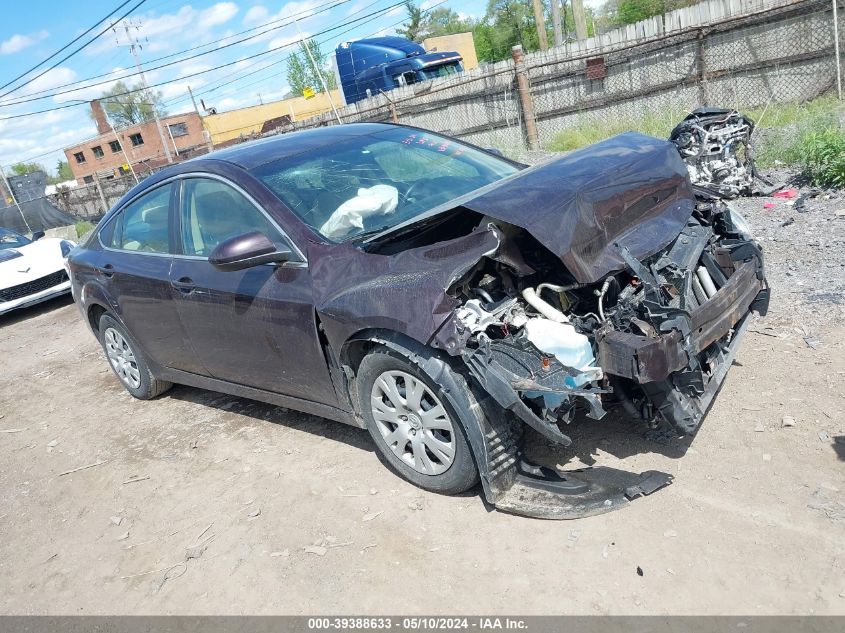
{"x": 462, "y": 473}
{"x": 148, "y": 386}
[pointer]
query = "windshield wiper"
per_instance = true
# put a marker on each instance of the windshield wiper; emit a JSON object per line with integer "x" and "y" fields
{"x": 369, "y": 233}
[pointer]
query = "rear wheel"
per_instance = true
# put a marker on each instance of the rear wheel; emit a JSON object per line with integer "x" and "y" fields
{"x": 127, "y": 363}
{"x": 413, "y": 425}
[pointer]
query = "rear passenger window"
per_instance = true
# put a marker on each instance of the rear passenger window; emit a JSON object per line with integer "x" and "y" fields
{"x": 143, "y": 225}
{"x": 213, "y": 212}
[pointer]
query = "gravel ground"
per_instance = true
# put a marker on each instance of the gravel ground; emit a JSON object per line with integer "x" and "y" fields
{"x": 202, "y": 503}
{"x": 806, "y": 250}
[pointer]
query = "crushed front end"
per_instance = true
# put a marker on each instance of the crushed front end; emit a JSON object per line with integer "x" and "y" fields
{"x": 656, "y": 338}
{"x": 600, "y": 279}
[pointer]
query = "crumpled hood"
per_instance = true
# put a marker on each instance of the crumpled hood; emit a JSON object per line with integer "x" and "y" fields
{"x": 631, "y": 190}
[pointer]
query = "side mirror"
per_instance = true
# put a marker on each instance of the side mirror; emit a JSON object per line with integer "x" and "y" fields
{"x": 37, "y": 235}
{"x": 494, "y": 150}
{"x": 246, "y": 251}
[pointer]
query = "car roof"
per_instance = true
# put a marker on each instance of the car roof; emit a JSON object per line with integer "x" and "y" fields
{"x": 255, "y": 153}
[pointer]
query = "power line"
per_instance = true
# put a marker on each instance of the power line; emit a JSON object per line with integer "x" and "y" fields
{"x": 313, "y": 11}
{"x": 66, "y": 46}
{"x": 219, "y": 85}
{"x": 41, "y": 95}
{"x": 66, "y": 57}
{"x": 201, "y": 72}
{"x": 207, "y": 91}
{"x": 342, "y": 23}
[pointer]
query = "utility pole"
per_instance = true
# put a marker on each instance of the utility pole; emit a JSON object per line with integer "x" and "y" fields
{"x": 556, "y": 22}
{"x": 205, "y": 131}
{"x": 125, "y": 155}
{"x": 836, "y": 48}
{"x": 580, "y": 19}
{"x": 134, "y": 46}
{"x": 194, "y": 101}
{"x": 14, "y": 198}
{"x": 317, "y": 70}
{"x": 540, "y": 21}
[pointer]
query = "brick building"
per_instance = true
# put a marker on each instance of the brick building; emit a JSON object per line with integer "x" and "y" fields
{"x": 106, "y": 155}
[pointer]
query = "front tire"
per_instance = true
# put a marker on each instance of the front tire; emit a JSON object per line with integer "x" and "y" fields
{"x": 126, "y": 361}
{"x": 413, "y": 425}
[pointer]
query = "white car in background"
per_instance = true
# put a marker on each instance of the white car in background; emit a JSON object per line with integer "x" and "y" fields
{"x": 31, "y": 270}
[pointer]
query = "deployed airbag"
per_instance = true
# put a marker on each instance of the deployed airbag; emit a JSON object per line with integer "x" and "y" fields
{"x": 370, "y": 201}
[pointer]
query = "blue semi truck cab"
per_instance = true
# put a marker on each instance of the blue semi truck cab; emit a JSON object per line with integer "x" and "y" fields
{"x": 380, "y": 64}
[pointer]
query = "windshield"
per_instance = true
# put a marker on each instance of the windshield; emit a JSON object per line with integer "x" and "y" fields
{"x": 374, "y": 182}
{"x": 440, "y": 71}
{"x": 10, "y": 239}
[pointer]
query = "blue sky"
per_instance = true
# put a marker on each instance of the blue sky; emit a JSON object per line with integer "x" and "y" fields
{"x": 33, "y": 29}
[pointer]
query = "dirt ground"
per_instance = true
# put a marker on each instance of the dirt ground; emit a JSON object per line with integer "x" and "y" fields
{"x": 203, "y": 503}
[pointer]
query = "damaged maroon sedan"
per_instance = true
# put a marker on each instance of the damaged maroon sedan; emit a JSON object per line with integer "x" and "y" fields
{"x": 434, "y": 293}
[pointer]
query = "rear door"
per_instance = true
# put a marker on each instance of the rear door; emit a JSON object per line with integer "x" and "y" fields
{"x": 134, "y": 267}
{"x": 253, "y": 327}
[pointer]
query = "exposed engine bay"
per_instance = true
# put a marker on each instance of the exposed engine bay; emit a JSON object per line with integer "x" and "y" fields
{"x": 653, "y": 338}
{"x": 715, "y": 144}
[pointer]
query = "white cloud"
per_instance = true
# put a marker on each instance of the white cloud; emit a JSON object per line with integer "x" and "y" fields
{"x": 257, "y": 14}
{"x": 49, "y": 80}
{"x": 18, "y": 42}
{"x": 217, "y": 14}
{"x": 278, "y": 42}
{"x": 169, "y": 30}
{"x": 356, "y": 7}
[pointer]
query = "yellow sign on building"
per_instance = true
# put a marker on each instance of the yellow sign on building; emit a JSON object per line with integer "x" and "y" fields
{"x": 308, "y": 93}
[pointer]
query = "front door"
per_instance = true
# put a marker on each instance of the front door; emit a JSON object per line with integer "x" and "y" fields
{"x": 135, "y": 271}
{"x": 252, "y": 327}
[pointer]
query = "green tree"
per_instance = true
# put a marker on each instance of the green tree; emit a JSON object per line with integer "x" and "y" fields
{"x": 614, "y": 13}
{"x": 63, "y": 173}
{"x": 301, "y": 73}
{"x": 135, "y": 107}
{"x": 22, "y": 169}
{"x": 63, "y": 170}
{"x": 413, "y": 29}
{"x": 506, "y": 24}
{"x": 441, "y": 21}
{"x": 444, "y": 21}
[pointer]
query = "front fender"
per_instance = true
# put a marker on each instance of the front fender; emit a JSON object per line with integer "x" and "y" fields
{"x": 493, "y": 436}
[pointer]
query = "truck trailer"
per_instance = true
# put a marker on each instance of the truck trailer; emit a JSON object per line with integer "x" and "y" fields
{"x": 367, "y": 67}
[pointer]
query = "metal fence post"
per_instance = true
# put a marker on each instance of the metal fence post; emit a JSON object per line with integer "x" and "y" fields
{"x": 394, "y": 117}
{"x": 526, "y": 102}
{"x": 100, "y": 191}
{"x": 836, "y": 50}
{"x": 702, "y": 69}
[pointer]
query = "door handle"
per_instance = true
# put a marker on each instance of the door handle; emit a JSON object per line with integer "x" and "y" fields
{"x": 184, "y": 284}
{"x": 107, "y": 270}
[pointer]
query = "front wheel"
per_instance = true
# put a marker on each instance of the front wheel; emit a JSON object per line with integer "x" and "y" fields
{"x": 127, "y": 363}
{"x": 412, "y": 424}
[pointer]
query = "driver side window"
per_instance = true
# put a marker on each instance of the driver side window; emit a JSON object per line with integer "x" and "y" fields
{"x": 213, "y": 212}
{"x": 142, "y": 226}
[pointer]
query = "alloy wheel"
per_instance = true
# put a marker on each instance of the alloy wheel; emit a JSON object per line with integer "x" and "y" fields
{"x": 122, "y": 358}
{"x": 413, "y": 422}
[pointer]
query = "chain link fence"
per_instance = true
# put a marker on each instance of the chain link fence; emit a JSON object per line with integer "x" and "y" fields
{"x": 726, "y": 53}
{"x": 743, "y": 54}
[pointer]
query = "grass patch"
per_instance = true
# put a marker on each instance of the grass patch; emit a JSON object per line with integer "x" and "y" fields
{"x": 589, "y": 130}
{"x": 83, "y": 227}
{"x": 823, "y": 157}
{"x": 809, "y": 135}
{"x": 785, "y": 132}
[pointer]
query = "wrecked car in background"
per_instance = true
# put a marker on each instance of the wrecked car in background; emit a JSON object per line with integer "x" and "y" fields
{"x": 715, "y": 144}
{"x": 438, "y": 295}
